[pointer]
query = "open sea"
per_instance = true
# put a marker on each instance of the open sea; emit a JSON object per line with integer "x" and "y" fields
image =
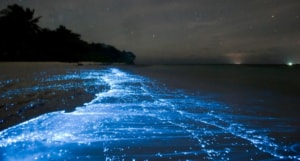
{"x": 151, "y": 113}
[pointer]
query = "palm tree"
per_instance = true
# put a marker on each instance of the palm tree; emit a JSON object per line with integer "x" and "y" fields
{"x": 67, "y": 34}
{"x": 18, "y": 30}
{"x": 17, "y": 16}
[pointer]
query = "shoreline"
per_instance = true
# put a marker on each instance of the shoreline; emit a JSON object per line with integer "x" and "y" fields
{"x": 23, "y": 104}
{"x": 210, "y": 82}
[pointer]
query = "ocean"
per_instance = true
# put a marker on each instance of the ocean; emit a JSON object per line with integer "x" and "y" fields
{"x": 183, "y": 112}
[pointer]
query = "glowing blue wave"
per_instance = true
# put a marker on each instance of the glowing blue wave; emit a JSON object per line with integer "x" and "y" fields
{"x": 135, "y": 119}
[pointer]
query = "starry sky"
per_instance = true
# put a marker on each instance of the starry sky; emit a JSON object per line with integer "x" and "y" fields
{"x": 182, "y": 31}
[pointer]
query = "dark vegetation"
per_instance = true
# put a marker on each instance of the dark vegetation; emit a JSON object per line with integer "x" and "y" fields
{"x": 21, "y": 39}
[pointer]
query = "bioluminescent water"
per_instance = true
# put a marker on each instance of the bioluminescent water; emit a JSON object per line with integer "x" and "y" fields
{"x": 134, "y": 118}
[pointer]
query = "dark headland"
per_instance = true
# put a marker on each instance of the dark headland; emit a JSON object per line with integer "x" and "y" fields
{"x": 22, "y": 39}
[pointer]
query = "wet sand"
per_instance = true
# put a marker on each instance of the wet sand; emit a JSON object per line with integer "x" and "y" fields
{"x": 23, "y": 105}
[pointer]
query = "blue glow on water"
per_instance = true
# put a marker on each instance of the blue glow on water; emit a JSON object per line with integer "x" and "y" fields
{"x": 133, "y": 118}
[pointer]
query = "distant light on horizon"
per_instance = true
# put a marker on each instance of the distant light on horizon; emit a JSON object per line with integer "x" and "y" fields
{"x": 237, "y": 62}
{"x": 290, "y": 64}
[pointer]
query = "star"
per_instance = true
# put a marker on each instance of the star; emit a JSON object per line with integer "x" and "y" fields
{"x": 254, "y": 27}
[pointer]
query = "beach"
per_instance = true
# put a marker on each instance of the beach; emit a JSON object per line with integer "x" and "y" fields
{"x": 162, "y": 112}
{"x": 26, "y": 93}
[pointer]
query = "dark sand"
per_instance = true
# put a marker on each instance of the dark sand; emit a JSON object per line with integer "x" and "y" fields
{"x": 27, "y": 105}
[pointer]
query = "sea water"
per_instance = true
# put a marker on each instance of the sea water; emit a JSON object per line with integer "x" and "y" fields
{"x": 136, "y": 118}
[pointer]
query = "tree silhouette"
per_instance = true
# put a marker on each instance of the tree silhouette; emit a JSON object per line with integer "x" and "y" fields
{"x": 67, "y": 34}
{"x": 18, "y": 30}
{"x": 23, "y": 40}
{"x": 17, "y": 15}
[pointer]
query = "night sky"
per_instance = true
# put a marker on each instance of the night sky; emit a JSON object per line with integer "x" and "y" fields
{"x": 182, "y": 31}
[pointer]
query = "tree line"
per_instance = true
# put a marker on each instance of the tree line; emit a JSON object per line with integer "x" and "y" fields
{"x": 22, "y": 39}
